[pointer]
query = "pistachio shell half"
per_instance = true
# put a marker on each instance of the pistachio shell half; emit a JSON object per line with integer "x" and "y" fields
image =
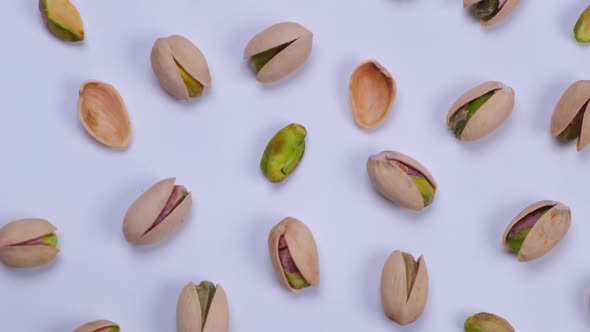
{"x": 99, "y": 326}
{"x": 28, "y": 243}
{"x": 278, "y": 51}
{"x": 404, "y": 287}
{"x": 537, "y": 229}
{"x": 62, "y": 19}
{"x": 283, "y": 152}
{"x": 180, "y": 67}
{"x": 294, "y": 254}
{"x": 582, "y": 27}
{"x": 401, "y": 179}
{"x": 486, "y": 322}
{"x": 570, "y": 118}
{"x": 480, "y": 110}
{"x": 202, "y": 308}
{"x": 157, "y": 212}
{"x": 103, "y": 114}
{"x": 372, "y": 92}
{"x": 491, "y": 11}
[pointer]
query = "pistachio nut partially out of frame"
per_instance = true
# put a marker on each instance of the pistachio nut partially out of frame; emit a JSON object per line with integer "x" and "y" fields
{"x": 570, "y": 118}
{"x": 480, "y": 110}
{"x": 401, "y": 179}
{"x": 294, "y": 254}
{"x": 283, "y": 152}
{"x": 28, "y": 243}
{"x": 486, "y": 322}
{"x": 99, "y": 326}
{"x": 278, "y": 51}
{"x": 62, "y": 19}
{"x": 491, "y": 11}
{"x": 537, "y": 229}
{"x": 582, "y": 27}
{"x": 202, "y": 308}
{"x": 180, "y": 67}
{"x": 157, "y": 212}
{"x": 404, "y": 287}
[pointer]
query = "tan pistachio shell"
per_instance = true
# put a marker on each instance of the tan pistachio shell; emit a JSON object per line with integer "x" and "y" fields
{"x": 188, "y": 311}
{"x": 145, "y": 210}
{"x": 393, "y": 183}
{"x": 103, "y": 114}
{"x": 491, "y": 114}
{"x": 397, "y": 305}
{"x": 546, "y": 233}
{"x": 570, "y": 104}
{"x": 30, "y": 255}
{"x": 289, "y": 59}
{"x": 506, "y": 9}
{"x": 96, "y": 325}
{"x": 302, "y": 247}
{"x": 168, "y": 51}
{"x": 372, "y": 91}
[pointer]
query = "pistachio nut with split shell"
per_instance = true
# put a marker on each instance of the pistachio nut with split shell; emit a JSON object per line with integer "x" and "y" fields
{"x": 491, "y": 11}
{"x": 582, "y": 27}
{"x": 537, "y": 229}
{"x": 404, "y": 287}
{"x": 99, "y": 326}
{"x": 480, "y": 110}
{"x": 372, "y": 91}
{"x": 180, "y": 66}
{"x": 486, "y": 322}
{"x": 28, "y": 243}
{"x": 278, "y": 51}
{"x": 401, "y": 179}
{"x": 157, "y": 212}
{"x": 62, "y": 19}
{"x": 283, "y": 152}
{"x": 202, "y": 308}
{"x": 294, "y": 254}
{"x": 570, "y": 118}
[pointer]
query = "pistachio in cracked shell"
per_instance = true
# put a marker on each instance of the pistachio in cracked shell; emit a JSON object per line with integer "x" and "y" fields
{"x": 491, "y": 11}
{"x": 202, "y": 308}
{"x": 28, "y": 243}
{"x": 480, "y": 110}
{"x": 486, "y": 322}
{"x": 570, "y": 118}
{"x": 582, "y": 27}
{"x": 157, "y": 212}
{"x": 537, "y": 229}
{"x": 294, "y": 254}
{"x": 278, "y": 51}
{"x": 404, "y": 287}
{"x": 62, "y": 19}
{"x": 181, "y": 67}
{"x": 99, "y": 326}
{"x": 283, "y": 152}
{"x": 401, "y": 179}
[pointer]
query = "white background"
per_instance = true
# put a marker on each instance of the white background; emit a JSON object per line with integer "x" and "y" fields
{"x": 52, "y": 169}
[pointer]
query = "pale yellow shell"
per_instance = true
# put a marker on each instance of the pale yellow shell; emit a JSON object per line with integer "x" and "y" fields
{"x": 188, "y": 311}
{"x": 506, "y": 9}
{"x": 96, "y": 325}
{"x": 570, "y": 104}
{"x": 30, "y": 255}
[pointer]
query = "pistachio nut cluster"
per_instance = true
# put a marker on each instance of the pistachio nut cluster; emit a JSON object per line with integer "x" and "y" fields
{"x": 569, "y": 121}
{"x": 62, "y": 19}
{"x": 202, "y": 308}
{"x": 283, "y": 152}
{"x": 28, "y": 243}
{"x": 582, "y": 27}
{"x": 491, "y": 11}
{"x": 99, "y": 326}
{"x": 486, "y": 322}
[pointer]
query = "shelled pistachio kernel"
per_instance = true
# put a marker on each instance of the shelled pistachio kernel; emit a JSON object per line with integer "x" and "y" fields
{"x": 283, "y": 152}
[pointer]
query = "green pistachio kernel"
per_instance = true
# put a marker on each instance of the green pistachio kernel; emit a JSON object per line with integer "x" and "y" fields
{"x": 206, "y": 292}
{"x": 487, "y": 9}
{"x": 515, "y": 242}
{"x": 296, "y": 281}
{"x": 582, "y": 27}
{"x": 259, "y": 60}
{"x": 462, "y": 117}
{"x": 50, "y": 240}
{"x": 284, "y": 152}
{"x": 425, "y": 188}
{"x": 486, "y": 322}
{"x": 194, "y": 87}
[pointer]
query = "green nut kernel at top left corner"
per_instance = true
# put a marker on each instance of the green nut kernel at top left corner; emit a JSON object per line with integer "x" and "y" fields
{"x": 283, "y": 153}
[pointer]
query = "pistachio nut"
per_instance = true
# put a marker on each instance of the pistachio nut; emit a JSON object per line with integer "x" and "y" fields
{"x": 103, "y": 114}
{"x": 202, "y": 308}
{"x": 28, "y": 243}
{"x": 278, "y": 51}
{"x": 372, "y": 91}
{"x": 283, "y": 152}
{"x": 491, "y": 11}
{"x": 157, "y": 212}
{"x": 99, "y": 326}
{"x": 180, "y": 67}
{"x": 480, "y": 110}
{"x": 404, "y": 287}
{"x": 569, "y": 119}
{"x": 62, "y": 19}
{"x": 537, "y": 229}
{"x": 486, "y": 322}
{"x": 582, "y": 27}
{"x": 401, "y": 179}
{"x": 294, "y": 254}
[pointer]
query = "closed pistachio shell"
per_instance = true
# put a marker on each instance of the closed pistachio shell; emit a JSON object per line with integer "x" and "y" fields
{"x": 401, "y": 303}
{"x": 188, "y": 311}
{"x": 372, "y": 92}
{"x": 302, "y": 249}
{"x": 506, "y": 7}
{"x": 22, "y": 243}
{"x": 486, "y": 322}
{"x": 99, "y": 326}
{"x": 157, "y": 212}
{"x": 572, "y": 105}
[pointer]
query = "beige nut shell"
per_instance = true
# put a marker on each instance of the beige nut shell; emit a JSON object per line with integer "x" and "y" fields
{"x": 29, "y": 255}
{"x": 570, "y": 104}
{"x": 506, "y": 9}
{"x": 188, "y": 311}
{"x": 302, "y": 247}
{"x": 96, "y": 325}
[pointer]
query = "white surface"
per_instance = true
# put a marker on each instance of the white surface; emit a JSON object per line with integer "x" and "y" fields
{"x": 52, "y": 169}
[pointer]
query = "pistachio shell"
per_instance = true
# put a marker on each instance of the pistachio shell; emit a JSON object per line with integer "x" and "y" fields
{"x": 486, "y": 322}
{"x": 145, "y": 210}
{"x": 96, "y": 326}
{"x": 103, "y": 114}
{"x": 302, "y": 247}
{"x": 188, "y": 311}
{"x": 399, "y": 304}
{"x": 570, "y": 104}
{"x": 20, "y": 231}
{"x": 287, "y": 60}
{"x": 546, "y": 232}
{"x": 372, "y": 92}
{"x": 62, "y": 19}
{"x": 507, "y": 8}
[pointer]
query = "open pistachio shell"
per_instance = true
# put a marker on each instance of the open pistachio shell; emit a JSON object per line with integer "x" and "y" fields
{"x": 302, "y": 249}
{"x": 486, "y": 322}
{"x": 62, "y": 19}
{"x": 570, "y": 110}
{"x": 372, "y": 92}
{"x": 27, "y": 243}
{"x": 488, "y": 116}
{"x": 188, "y": 311}
{"x": 157, "y": 212}
{"x": 292, "y": 43}
{"x": 543, "y": 233}
{"x": 504, "y": 9}
{"x": 103, "y": 114}
{"x": 99, "y": 326}
{"x": 404, "y": 299}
